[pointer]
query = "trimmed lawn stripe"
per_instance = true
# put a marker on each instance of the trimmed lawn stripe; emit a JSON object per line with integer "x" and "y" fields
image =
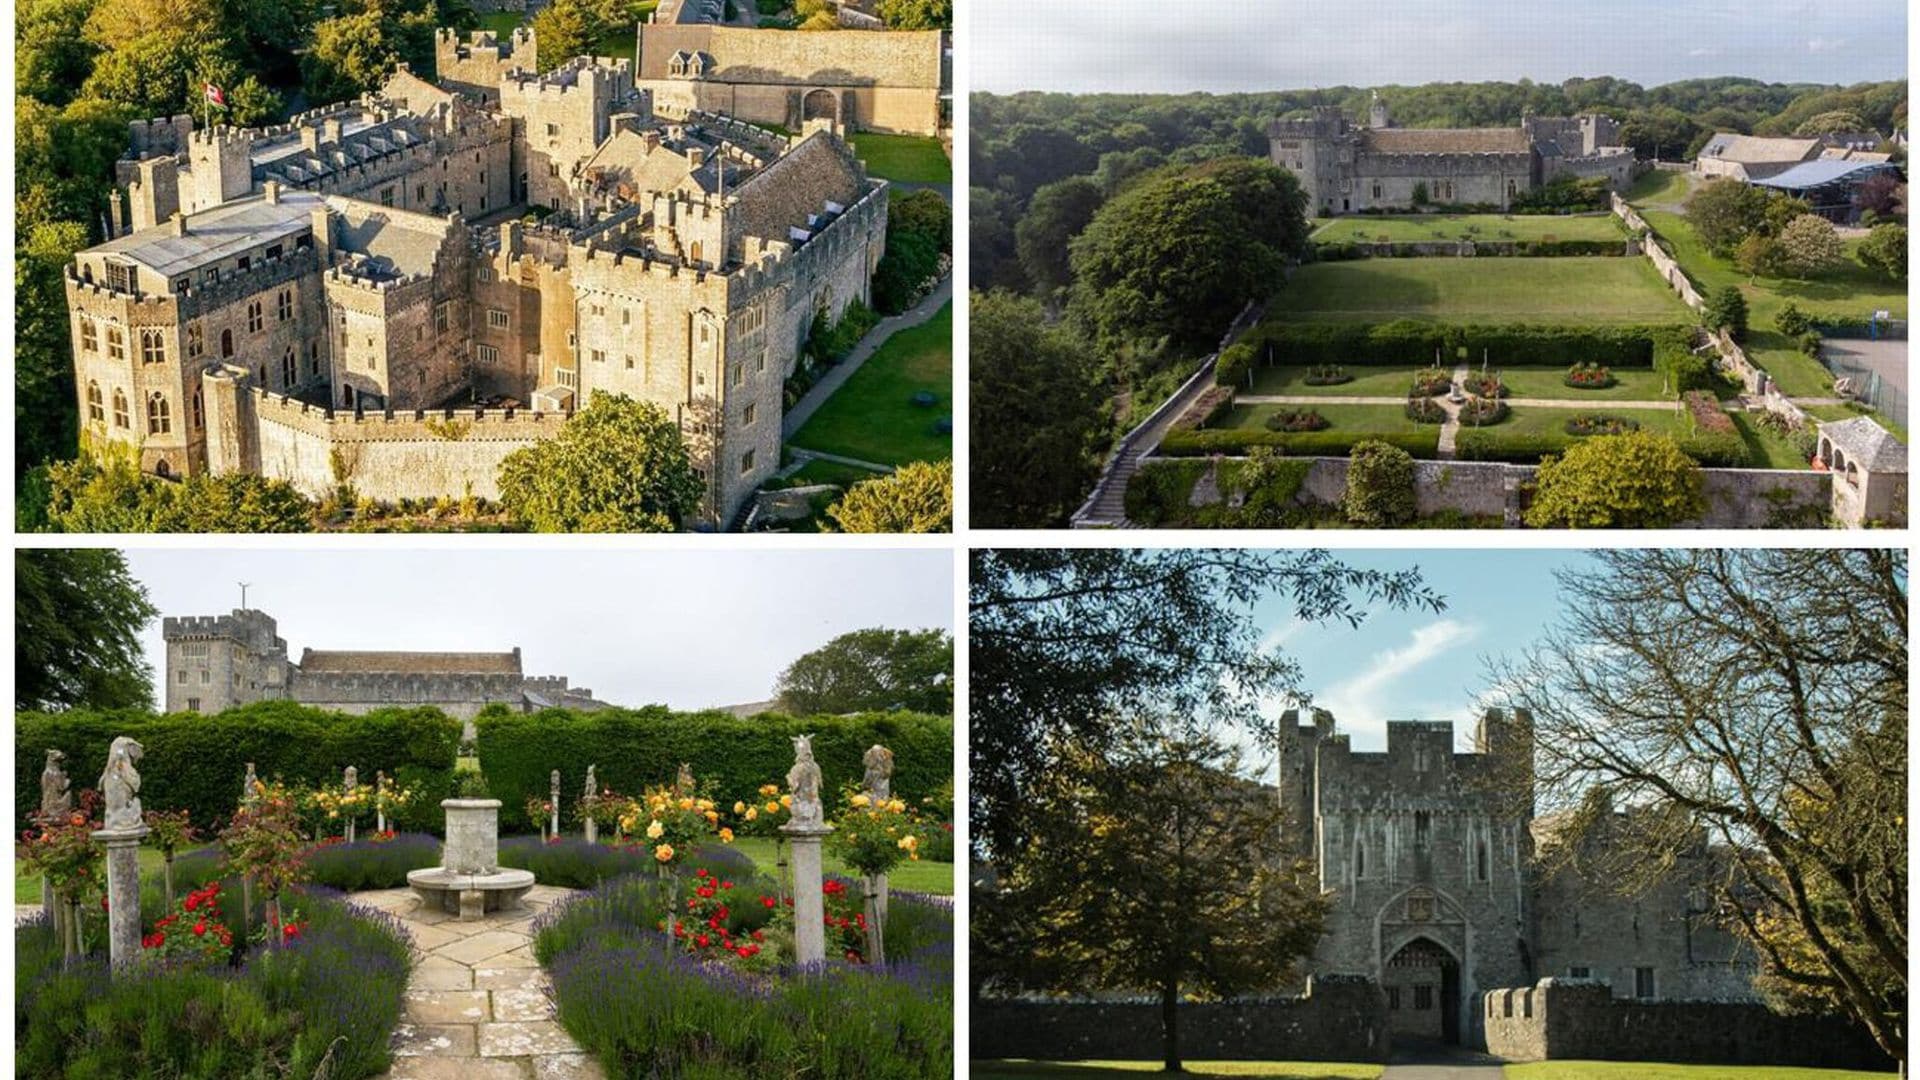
{"x": 1587, "y": 290}
{"x": 873, "y": 417}
{"x": 913, "y": 159}
{"x": 1638, "y": 1070}
{"x": 1198, "y": 1070}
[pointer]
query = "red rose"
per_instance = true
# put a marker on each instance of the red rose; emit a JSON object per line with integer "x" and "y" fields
{"x": 768, "y": 902}
{"x": 702, "y": 941}
{"x": 726, "y": 884}
{"x": 200, "y": 929}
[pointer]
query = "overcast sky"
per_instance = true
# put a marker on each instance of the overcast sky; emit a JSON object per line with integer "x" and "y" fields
{"x": 1173, "y": 46}
{"x": 684, "y": 628}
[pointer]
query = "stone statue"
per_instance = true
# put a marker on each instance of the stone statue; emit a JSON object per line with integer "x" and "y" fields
{"x": 56, "y": 790}
{"x": 352, "y": 778}
{"x": 879, "y": 778}
{"x": 683, "y": 783}
{"x": 803, "y": 781}
{"x": 556, "y": 786}
{"x": 593, "y": 787}
{"x": 248, "y": 785}
{"x": 121, "y": 786}
{"x": 379, "y": 780}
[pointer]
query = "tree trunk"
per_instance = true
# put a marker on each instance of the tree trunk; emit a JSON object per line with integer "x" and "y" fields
{"x": 1170, "y": 1026}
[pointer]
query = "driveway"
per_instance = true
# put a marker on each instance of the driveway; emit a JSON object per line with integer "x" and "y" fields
{"x": 1431, "y": 1061}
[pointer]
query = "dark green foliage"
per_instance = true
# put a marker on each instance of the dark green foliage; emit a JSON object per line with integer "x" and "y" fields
{"x": 1332, "y": 443}
{"x": 872, "y": 670}
{"x": 1493, "y": 444}
{"x": 1380, "y": 491}
{"x": 919, "y": 231}
{"x": 1885, "y": 250}
{"x": 77, "y": 617}
{"x": 1036, "y": 414}
{"x": 1158, "y": 493}
{"x": 195, "y": 762}
{"x": 1568, "y": 194}
{"x": 1673, "y": 357}
{"x": 1235, "y": 364}
{"x": 619, "y": 465}
{"x": 112, "y": 495}
{"x": 1791, "y": 321}
{"x": 336, "y": 993}
{"x": 1726, "y": 310}
{"x": 1406, "y": 341}
{"x": 638, "y": 748}
{"x": 830, "y": 340}
{"x": 1057, "y": 214}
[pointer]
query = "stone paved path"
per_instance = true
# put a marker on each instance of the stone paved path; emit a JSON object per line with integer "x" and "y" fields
{"x": 477, "y": 1005}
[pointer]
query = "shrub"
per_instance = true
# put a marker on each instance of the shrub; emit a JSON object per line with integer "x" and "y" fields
{"x": 195, "y": 763}
{"x": 1380, "y": 492}
{"x": 1432, "y": 381}
{"x": 1713, "y": 438}
{"x": 1483, "y": 444}
{"x": 1327, "y": 375}
{"x": 636, "y": 748}
{"x": 1422, "y": 409}
{"x": 1792, "y": 321}
{"x": 1234, "y": 365}
{"x": 337, "y": 990}
{"x": 1598, "y": 424}
{"x": 1683, "y": 368}
{"x": 1409, "y": 342}
{"x": 1298, "y": 420}
{"x": 1589, "y": 376}
{"x": 1885, "y": 250}
{"x": 1158, "y": 493}
{"x": 1640, "y": 480}
{"x": 1810, "y": 343}
{"x": 1726, "y": 310}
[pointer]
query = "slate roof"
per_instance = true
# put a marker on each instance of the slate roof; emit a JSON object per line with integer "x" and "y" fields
{"x": 1754, "y": 150}
{"x": 332, "y": 662}
{"x": 213, "y": 235}
{"x": 1867, "y": 444}
{"x": 1447, "y": 140}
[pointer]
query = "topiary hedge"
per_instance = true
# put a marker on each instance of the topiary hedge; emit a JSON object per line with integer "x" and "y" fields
{"x": 1407, "y": 342}
{"x": 1674, "y": 358}
{"x": 1338, "y": 442}
{"x": 196, "y": 762}
{"x": 638, "y": 748}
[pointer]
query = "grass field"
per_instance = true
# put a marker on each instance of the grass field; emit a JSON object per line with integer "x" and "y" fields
{"x": 1660, "y": 186}
{"x": 1198, "y": 1070}
{"x": 1581, "y": 290}
{"x": 26, "y": 887}
{"x": 1637, "y": 1070}
{"x": 1766, "y": 450}
{"x": 1524, "y": 421}
{"x": 1415, "y": 228}
{"x": 819, "y": 471}
{"x": 1373, "y": 418}
{"x": 913, "y": 159}
{"x": 873, "y": 417}
{"x": 1367, "y": 382}
{"x": 1630, "y": 384}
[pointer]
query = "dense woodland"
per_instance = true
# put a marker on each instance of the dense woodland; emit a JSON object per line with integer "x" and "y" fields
{"x": 1096, "y": 223}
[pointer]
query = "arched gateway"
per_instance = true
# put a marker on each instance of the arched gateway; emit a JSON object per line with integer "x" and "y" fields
{"x": 1422, "y": 984}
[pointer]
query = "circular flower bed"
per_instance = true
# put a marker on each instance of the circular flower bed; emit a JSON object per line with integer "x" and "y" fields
{"x": 1485, "y": 386}
{"x": 1298, "y": 420}
{"x": 1589, "y": 376}
{"x": 1483, "y": 411}
{"x": 1432, "y": 381}
{"x": 1422, "y": 409}
{"x": 1327, "y": 375}
{"x": 1597, "y": 424}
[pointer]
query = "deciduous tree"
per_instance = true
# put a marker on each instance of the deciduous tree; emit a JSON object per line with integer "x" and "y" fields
{"x": 1057, "y": 214}
{"x": 1036, "y": 413}
{"x": 619, "y": 465}
{"x": 917, "y": 498}
{"x": 1810, "y": 246}
{"x": 1726, "y": 309}
{"x": 872, "y": 670}
{"x": 1724, "y": 211}
{"x": 1640, "y": 480}
{"x": 77, "y": 617}
{"x": 1885, "y": 250}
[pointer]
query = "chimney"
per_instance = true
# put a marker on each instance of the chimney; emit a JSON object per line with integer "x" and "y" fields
{"x": 179, "y": 223}
{"x": 309, "y": 140}
{"x": 331, "y": 128}
{"x": 653, "y": 140}
{"x": 273, "y": 192}
{"x": 696, "y": 157}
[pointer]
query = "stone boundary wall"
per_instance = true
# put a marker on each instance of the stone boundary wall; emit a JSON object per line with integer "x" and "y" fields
{"x": 1663, "y": 263}
{"x": 1566, "y": 1020}
{"x": 1736, "y": 498}
{"x": 1339, "y": 1018}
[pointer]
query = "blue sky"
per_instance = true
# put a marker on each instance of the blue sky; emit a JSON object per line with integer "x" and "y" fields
{"x": 1170, "y": 46}
{"x": 1422, "y": 665}
{"x": 686, "y": 628}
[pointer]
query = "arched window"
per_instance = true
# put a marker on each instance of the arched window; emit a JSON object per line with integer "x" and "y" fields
{"x": 199, "y": 409}
{"x": 96, "y": 410}
{"x": 159, "y": 415}
{"x": 693, "y": 252}
{"x": 153, "y": 345}
{"x": 289, "y": 368}
{"x": 121, "y": 419}
{"x": 1359, "y": 858}
{"x": 163, "y": 470}
{"x": 226, "y": 344}
{"x": 1480, "y": 869}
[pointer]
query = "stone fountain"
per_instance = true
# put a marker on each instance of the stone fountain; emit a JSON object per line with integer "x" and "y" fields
{"x": 469, "y": 882}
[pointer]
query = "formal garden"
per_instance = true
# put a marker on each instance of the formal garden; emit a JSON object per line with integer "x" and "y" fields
{"x": 281, "y": 891}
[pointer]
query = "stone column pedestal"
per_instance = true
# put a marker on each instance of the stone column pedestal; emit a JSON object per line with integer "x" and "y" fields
{"x": 123, "y": 892}
{"x": 593, "y": 832}
{"x": 809, "y": 908}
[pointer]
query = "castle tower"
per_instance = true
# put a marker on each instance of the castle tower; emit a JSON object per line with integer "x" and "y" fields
{"x": 220, "y": 161}
{"x": 1298, "y": 748}
{"x": 1377, "y": 114}
{"x": 215, "y": 662}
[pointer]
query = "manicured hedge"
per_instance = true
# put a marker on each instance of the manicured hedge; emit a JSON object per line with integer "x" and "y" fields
{"x": 1334, "y": 443}
{"x": 638, "y": 748}
{"x": 1673, "y": 357}
{"x": 196, "y": 762}
{"x": 1493, "y": 444}
{"x": 1408, "y": 342}
{"x": 1159, "y": 493}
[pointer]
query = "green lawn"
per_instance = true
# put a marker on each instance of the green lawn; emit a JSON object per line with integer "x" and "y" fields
{"x": 1415, "y": 228}
{"x": 1199, "y": 1070}
{"x": 830, "y": 472}
{"x": 873, "y": 417}
{"x": 1288, "y": 379}
{"x": 914, "y": 159}
{"x": 1766, "y": 450}
{"x": 1594, "y": 289}
{"x": 1524, "y": 421}
{"x": 1660, "y": 186}
{"x": 923, "y": 876}
{"x": 1638, "y": 1070}
{"x": 1373, "y": 418}
{"x": 26, "y": 887}
{"x": 1630, "y": 384}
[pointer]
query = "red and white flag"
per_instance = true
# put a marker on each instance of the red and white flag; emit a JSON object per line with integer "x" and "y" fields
{"x": 214, "y": 95}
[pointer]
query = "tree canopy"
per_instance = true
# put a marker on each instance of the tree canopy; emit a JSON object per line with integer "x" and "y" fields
{"x": 916, "y": 498}
{"x": 1036, "y": 412}
{"x": 77, "y": 617}
{"x": 1640, "y": 480}
{"x": 872, "y": 670}
{"x": 619, "y": 465}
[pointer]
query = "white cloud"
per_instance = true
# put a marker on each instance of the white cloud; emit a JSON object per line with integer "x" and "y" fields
{"x": 1359, "y": 704}
{"x": 1825, "y": 44}
{"x": 1704, "y": 51}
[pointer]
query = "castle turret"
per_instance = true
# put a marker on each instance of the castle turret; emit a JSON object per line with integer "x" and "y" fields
{"x": 1377, "y": 114}
{"x": 220, "y": 160}
{"x": 215, "y": 662}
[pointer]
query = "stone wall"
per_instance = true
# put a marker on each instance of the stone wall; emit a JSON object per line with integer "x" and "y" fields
{"x": 868, "y": 80}
{"x": 1339, "y": 1018}
{"x": 1564, "y": 1020}
{"x": 1475, "y": 488}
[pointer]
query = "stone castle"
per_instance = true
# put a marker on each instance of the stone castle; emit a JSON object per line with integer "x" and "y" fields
{"x": 352, "y": 298}
{"x": 218, "y": 662}
{"x": 1439, "y": 892}
{"x": 1346, "y": 169}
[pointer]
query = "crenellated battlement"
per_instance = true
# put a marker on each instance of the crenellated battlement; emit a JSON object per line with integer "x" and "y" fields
{"x": 198, "y": 299}
{"x": 442, "y": 425}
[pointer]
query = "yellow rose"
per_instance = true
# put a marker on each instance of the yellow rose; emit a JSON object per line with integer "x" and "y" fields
{"x": 654, "y": 830}
{"x": 686, "y": 804}
{"x": 726, "y": 836}
{"x": 664, "y": 853}
{"x": 739, "y": 807}
{"x": 753, "y": 813}
{"x": 769, "y": 789}
{"x": 773, "y": 807}
{"x": 786, "y": 800}
{"x": 713, "y": 817}
{"x": 860, "y": 800}
{"x": 897, "y": 806}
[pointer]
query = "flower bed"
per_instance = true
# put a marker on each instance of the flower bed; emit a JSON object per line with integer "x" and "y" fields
{"x": 629, "y": 997}
{"x": 334, "y": 990}
{"x": 1297, "y": 420}
{"x": 1327, "y": 375}
{"x": 1486, "y": 386}
{"x": 1431, "y": 382}
{"x": 1597, "y": 424}
{"x": 1589, "y": 376}
{"x": 572, "y": 863}
{"x": 1423, "y": 409}
{"x": 1483, "y": 411}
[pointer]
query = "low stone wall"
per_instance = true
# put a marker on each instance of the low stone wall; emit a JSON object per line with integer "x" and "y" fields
{"x": 1668, "y": 269}
{"x": 1475, "y": 488}
{"x": 1564, "y": 1020}
{"x": 1763, "y": 498}
{"x": 1339, "y": 1018}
